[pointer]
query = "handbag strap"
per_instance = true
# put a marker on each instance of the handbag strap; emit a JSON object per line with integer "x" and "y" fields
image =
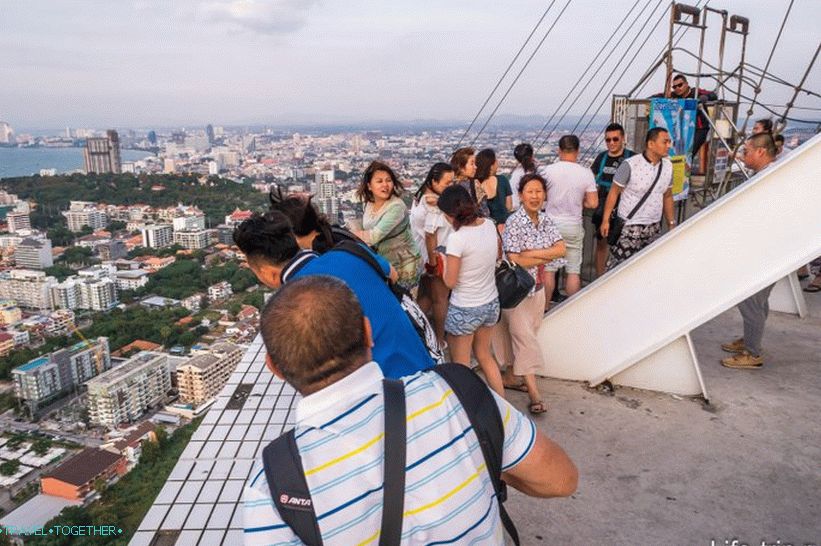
{"x": 648, "y": 192}
{"x": 393, "y": 489}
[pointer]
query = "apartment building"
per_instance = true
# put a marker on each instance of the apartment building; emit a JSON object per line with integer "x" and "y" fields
{"x": 204, "y": 375}
{"x": 124, "y": 394}
{"x": 46, "y": 378}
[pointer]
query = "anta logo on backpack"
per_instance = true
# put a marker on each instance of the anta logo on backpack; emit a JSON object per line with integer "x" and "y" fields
{"x": 295, "y": 502}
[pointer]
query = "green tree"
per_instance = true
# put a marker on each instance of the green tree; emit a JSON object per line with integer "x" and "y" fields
{"x": 8, "y": 468}
{"x": 60, "y": 271}
{"x": 40, "y": 446}
{"x": 77, "y": 255}
{"x": 61, "y": 236}
{"x": 116, "y": 225}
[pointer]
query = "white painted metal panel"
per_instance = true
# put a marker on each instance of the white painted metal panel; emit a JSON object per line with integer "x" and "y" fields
{"x": 752, "y": 237}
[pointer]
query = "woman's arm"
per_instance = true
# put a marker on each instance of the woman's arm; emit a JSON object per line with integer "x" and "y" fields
{"x": 547, "y": 254}
{"x": 509, "y": 203}
{"x": 430, "y": 246}
{"x": 392, "y": 217}
{"x": 452, "y": 265}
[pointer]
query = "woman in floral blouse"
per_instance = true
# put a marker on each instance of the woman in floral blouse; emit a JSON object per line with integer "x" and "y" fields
{"x": 386, "y": 224}
{"x": 531, "y": 240}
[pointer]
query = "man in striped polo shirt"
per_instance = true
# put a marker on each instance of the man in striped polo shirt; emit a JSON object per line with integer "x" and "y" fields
{"x": 319, "y": 342}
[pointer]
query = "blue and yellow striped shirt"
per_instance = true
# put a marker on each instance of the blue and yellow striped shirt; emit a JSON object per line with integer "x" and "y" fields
{"x": 340, "y": 431}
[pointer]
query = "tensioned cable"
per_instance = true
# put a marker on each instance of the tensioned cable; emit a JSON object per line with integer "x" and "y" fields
{"x": 507, "y": 70}
{"x": 537, "y": 143}
{"x": 521, "y": 71}
{"x": 766, "y": 67}
{"x": 586, "y": 70}
{"x": 773, "y": 78}
{"x": 624, "y": 70}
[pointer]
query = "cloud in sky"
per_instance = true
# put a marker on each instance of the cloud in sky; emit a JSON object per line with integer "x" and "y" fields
{"x": 263, "y": 16}
{"x": 178, "y": 62}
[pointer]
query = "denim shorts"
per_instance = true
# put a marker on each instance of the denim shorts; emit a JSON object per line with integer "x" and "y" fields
{"x": 463, "y": 321}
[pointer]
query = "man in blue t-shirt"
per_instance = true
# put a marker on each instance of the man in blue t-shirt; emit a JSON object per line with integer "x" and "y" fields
{"x": 270, "y": 246}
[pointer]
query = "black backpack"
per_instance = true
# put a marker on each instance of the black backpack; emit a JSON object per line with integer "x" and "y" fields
{"x": 414, "y": 313}
{"x": 286, "y": 477}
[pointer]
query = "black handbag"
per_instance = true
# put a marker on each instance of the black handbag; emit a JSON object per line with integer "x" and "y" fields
{"x": 513, "y": 282}
{"x": 617, "y": 222}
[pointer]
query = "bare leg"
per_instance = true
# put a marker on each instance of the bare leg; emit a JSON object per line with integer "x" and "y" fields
{"x": 481, "y": 348}
{"x": 572, "y": 283}
{"x": 532, "y": 388}
{"x": 424, "y": 297}
{"x": 440, "y": 306}
{"x": 602, "y": 248}
{"x": 549, "y": 286}
{"x": 459, "y": 347}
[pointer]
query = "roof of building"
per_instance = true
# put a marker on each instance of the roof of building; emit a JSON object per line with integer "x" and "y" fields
{"x": 5, "y": 337}
{"x": 140, "y": 344}
{"x": 131, "y": 273}
{"x": 84, "y": 466}
{"x": 159, "y": 301}
{"x": 122, "y": 371}
{"x": 36, "y": 512}
{"x": 30, "y": 365}
{"x": 133, "y": 438}
{"x": 202, "y": 362}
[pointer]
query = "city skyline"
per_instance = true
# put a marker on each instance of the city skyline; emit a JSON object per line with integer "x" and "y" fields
{"x": 240, "y": 62}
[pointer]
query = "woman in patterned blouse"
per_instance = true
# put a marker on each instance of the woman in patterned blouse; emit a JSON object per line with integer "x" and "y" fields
{"x": 386, "y": 224}
{"x": 531, "y": 240}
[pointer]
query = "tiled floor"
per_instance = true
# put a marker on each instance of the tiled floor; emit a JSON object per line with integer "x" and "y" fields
{"x": 199, "y": 504}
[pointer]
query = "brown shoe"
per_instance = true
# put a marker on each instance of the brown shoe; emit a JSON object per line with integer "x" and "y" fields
{"x": 736, "y": 346}
{"x": 743, "y": 361}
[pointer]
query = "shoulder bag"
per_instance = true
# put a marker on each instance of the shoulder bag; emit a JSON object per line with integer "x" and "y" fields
{"x": 617, "y": 222}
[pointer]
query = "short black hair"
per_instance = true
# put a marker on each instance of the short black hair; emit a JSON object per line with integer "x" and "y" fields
{"x": 764, "y": 141}
{"x": 313, "y": 331}
{"x": 654, "y": 133}
{"x": 614, "y": 127}
{"x": 267, "y": 237}
{"x": 569, "y": 143}
{"x": 679, "y": 77}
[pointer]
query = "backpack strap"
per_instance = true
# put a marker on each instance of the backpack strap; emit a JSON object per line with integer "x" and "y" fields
{"x": 393, "y": 489}
{"x": 289, "y": 490}
{"x": 484, "y": 417}
{"x": 362, "y": 253}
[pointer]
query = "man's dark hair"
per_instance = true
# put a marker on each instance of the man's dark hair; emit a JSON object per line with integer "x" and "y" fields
{"x": 679, "y": 77}
{"x": 313, "y": 331}
{"x": 779, "y": 138}
{"x": 614, "y": 127}
{"x": 765, "y": 141}
{"x": 654, "y": 133}
{"x": 766, "y": 124}
{"x": 569, "y": 143}
{"x": 267, "y": 237}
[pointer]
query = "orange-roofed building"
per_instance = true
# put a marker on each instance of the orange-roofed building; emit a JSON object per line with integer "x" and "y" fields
{"x": 74, "y": 479}
{"x": 139, "y": 344}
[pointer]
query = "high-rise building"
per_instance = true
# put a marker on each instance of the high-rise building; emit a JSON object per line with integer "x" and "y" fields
{"x": 102, "y": 155}
{"x": 9, "y": 312}
{"x": 209, "y": 132}
{"x": 6, "y": 133}
{"x": 325, "y": 194}
{"x": 33, "y": 254}
{"x": 152, "y": 137}
{"x": 204, "y": 375}
{"x": 189, "y": 222}
{"x": 157, "y": 235}
{"x": 46, "y": 378}
{"x": 192, "y": 240}
{"x": 85, "y": 213}
{"x": 17, "y": 221}
{"x": 124, "y": 394}
{"x": 30, "y": 289}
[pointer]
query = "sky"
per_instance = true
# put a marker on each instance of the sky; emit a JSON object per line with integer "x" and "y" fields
{"x": 139, "y": 63}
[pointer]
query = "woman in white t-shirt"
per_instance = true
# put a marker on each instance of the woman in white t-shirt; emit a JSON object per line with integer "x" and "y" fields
{"x": 470, "y": 266}
{"x": 430, "y": 231}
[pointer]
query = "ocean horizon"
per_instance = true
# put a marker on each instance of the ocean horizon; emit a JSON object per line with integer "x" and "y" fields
{"x": 29, "y": 161}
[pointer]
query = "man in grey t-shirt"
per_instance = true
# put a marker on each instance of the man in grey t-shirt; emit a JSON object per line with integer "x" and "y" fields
{"x": 633, "y": 179}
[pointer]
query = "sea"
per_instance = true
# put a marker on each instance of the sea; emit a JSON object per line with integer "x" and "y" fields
{"x": 28, "y": 161}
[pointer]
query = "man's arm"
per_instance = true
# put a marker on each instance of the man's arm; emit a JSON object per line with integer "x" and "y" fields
{"x": 591, "y": 199}
{"x": 668, "y": 208}
{"x": 609, "y": 205}
{"x": 546, "y": 471}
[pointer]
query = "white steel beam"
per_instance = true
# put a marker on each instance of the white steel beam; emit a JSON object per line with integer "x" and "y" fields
{"x": 751, "y": 238}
